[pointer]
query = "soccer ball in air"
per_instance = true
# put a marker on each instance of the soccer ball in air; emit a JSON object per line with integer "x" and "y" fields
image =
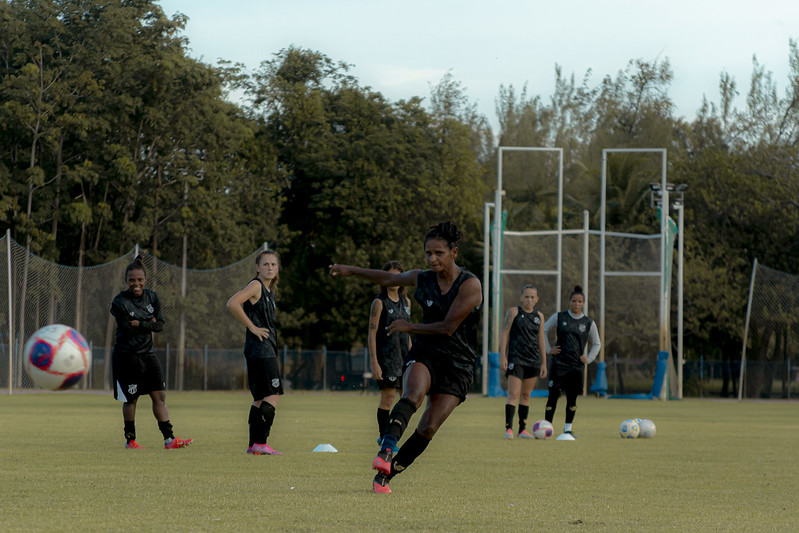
{"x": 629, "y": 429}
{"x": 542, "y": 429}
{"x": 647, "y": 428}
{"x": 57, "y": 357}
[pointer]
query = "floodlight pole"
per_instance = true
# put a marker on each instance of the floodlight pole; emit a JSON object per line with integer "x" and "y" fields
{"x": 680, "y": 265}
{"x": 486, "y": 272}
{"x": 10, "y": 317}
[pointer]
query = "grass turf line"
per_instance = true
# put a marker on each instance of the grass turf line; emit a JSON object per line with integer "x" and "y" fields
{"x": 714, "y": 465}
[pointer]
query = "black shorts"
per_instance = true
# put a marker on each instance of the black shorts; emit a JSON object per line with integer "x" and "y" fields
{"x": 392, "y": 382}
{"x": 135, "y": 375}
{"x": 522, "y": 371}
{"x": 445, "y": 378}
{"x": 568, "y": 381}
{"x": 263, "y": 375}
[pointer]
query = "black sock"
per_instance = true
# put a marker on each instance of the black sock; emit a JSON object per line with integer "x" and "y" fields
{"x": 166, "y": 430}
{"x": 382, "y": 420}
{"x": 524, "y": 410}
{"x": 510, "y": 411}
{"x": 268, "y": 414}
{"x": 399, "y": 418}
{"x": 256, "y": 423}
{"x": 413, "y": 448}
{"x": 130, "y": 430}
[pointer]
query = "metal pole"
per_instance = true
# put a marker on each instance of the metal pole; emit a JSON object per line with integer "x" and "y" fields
{"x": 497, "y": 258}
{"x": 746, "y": 330}
{"x": 486, "y": 273}
{"x": 205, "y": 367}
{"x": 680, "y": 266}
{"x": 586, "y": 236}
{"x": 559, "y": 281}
{"x": 602, "y": 216}
{"x": 324, "y": 368}
{"x": 10, "y": 317}
{"x": 664, "y": 228}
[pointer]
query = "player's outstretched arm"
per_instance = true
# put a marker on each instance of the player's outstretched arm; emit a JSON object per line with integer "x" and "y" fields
{"x": 380, "y": 277}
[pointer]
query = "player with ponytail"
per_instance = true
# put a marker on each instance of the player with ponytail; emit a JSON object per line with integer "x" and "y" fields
{"x": 574, "y": 330}
{"x": 255, "y": 307}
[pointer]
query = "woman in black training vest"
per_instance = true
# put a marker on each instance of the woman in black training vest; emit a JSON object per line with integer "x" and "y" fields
{"x": 254, "y": 306}
{"x": 135, "y": 367}
{"x": 574, "y": 330}
{"x": 440, "y": 365}
{"x": 387, "y": 352}
{"x": 523, "y": 357}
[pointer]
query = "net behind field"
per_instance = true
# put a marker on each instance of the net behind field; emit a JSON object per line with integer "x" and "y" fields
{"x": 200, "y": 347}
{"x": 631, "y": 336}
{"x": 772, "y": 351}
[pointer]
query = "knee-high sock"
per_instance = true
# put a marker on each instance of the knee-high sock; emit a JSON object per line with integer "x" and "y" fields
{"x": 510, "y": 412}
{"x": 166, "y": 430}
{"x": 382, "y": 420}
{"x": 571, "y": 407}
{"x": 552, "y": 403}
{"x": 524, "y": 410}
{"x": 413, "y": 448}
{"x": 398, "y": 421}
{"x": 256, "y": 422}
{"x": 130, "y": 430}
{"x": 268, "y": 414}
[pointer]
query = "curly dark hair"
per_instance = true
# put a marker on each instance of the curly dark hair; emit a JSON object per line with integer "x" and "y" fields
{"x": 446, "y": 231}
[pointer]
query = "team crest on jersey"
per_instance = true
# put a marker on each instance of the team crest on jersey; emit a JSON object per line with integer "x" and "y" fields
{"x": 275, "y": 383}
{"x": 582, "y": 328}
{"x": 407, "y": 309}
{"x": 564, "y": 323}
{"x": 537, "y": 320}
{"x": 429, "y": 303}
{"x": 133, "y": 388}
{"x": 150, "y": 308}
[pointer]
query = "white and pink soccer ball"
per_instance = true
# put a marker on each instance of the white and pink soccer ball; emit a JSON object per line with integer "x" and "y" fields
{"x": 57, "y": 357}
{"x": 542, "y": 429}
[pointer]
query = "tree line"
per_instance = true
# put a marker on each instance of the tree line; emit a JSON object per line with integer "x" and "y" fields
{"x": 111, "y": 135}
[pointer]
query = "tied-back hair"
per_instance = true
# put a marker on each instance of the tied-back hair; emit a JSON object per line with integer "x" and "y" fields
{"x": 446, "y": 231}
{"x": 577, "y": 290}
{"x": 392, "y": 265}
{"x": 273, "y": 282}
{"x": 137, "y": 264}
{"x": 530, "y": 287}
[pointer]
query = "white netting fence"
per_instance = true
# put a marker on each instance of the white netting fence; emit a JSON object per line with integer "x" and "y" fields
{"x": 200, "y": 347}
{"x": 631, "y": 301}
{"x": 771, "y": 354}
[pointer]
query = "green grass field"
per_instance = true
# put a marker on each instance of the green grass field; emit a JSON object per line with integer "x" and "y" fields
{"x": 713, "y": 466}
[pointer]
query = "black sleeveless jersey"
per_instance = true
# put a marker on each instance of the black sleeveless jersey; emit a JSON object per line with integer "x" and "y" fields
{"x": 523, "y": 346}
{"x": 392, "y": 349}
{"x": 125, "y": 307}
{"x": 262, "y": 314}
{"x": 461, "y": 346}
{"x": 573, "y": 335}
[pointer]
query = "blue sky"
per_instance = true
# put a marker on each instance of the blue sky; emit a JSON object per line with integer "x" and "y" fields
{"x": 400, "y": 48}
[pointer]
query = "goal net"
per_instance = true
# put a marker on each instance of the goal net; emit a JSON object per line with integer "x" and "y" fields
{"x": 770, "y": 351}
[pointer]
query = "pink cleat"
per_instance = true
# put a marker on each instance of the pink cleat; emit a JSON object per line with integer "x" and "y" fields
{"x": 133, "y": 445}
{"x": 380, "y": 484}
{"x": 176, "y": 442}
{"x": 264, "y": 449}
